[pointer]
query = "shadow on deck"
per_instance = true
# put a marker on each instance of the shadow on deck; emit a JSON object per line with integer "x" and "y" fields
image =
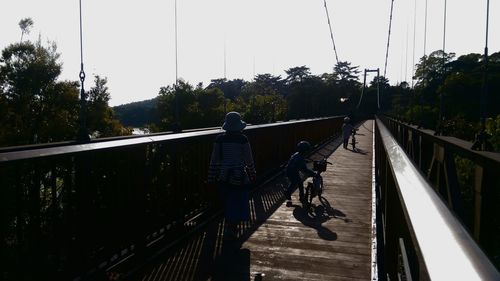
{"x": 329, "y": 241}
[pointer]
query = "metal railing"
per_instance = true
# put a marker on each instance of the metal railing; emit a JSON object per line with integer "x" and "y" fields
{"x": 73, "y": 210}
{"x": 466, "y": 179}
{"x": 421, "y": 238}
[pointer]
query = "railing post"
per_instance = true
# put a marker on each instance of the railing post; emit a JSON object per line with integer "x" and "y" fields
{"x": 478, "y": 186}
{"x": 486, "y": 208}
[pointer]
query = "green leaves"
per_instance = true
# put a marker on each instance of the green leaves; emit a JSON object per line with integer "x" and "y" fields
{"x": 39, "y": 108}
{"x": 36, "y": 108}
{"x": 101, "y": 121}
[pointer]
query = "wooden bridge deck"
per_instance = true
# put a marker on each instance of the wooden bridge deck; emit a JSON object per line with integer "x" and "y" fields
{"x": 332, "y": 241}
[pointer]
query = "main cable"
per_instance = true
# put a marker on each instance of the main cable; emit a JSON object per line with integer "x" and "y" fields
{"x": 331, "y": 32}
{"x": 388, "y": 38}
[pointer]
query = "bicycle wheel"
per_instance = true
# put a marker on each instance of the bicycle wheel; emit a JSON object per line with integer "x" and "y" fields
{"x": 320, "y": 189}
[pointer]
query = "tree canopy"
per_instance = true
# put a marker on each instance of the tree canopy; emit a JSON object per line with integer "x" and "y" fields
{"x": 35, "y": 107}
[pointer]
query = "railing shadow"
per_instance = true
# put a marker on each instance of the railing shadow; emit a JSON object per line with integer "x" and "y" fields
{"x": 208, "y": 255}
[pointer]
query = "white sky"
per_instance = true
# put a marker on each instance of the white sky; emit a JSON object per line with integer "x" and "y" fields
{"x": 132, "y": 43}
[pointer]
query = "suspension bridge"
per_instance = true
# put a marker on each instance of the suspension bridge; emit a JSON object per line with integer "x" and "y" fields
{"x": 138, "y": 208}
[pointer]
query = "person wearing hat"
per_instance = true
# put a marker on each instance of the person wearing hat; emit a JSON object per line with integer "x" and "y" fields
{"x": 296, "y": 164}
{"x": 232, "y": 168}
{"x": 346, "y": 131}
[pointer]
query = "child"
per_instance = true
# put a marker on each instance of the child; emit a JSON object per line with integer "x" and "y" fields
{"x": 295, "y": 164}
{"x": 346, "y": 131}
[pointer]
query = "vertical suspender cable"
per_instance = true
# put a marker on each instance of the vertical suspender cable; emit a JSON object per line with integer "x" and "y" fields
{"x": 407, "y": 37}
{"x": 176, "y": 73}
{"x": 388, "y": 38}
{"x": 406, "y": 54}
{"x": 444, "y": 30}
{"x": 331, "y": 32}
{"x": 83, "y": 133}
{"x": 225, "y": 77}
{"x": 481, "y": 142}
{"x": 484, "y": 91}
{"x": 424, "y": 61}
{"x": 425, "y": 29}
{"x": 423, "y": 65}
{"x": 414, "y": 36}
{"x": 441, "y": 102}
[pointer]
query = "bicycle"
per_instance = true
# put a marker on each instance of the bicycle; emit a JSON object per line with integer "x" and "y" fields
{"x": 315, "y": 188}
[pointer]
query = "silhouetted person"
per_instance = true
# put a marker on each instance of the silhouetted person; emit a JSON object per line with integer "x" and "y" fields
{"x": 232, "y": 168}
{"x": 296, "y": 164}
{"x": 481, "y": 142}
{"x": 346, "y": 131}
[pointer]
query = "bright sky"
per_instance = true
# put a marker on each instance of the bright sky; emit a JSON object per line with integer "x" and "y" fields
{"x": 132, "y": 43}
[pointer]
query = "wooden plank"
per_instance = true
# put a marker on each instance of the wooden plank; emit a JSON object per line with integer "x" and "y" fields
{"x": 331, "y": 241}
{"x": 303, "y": 247}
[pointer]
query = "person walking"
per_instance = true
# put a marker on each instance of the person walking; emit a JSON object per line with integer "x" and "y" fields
{"x": 346, "y": 131}
{"x": 232, "y": 169}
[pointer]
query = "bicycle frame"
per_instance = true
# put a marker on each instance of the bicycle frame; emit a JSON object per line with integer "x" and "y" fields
{"x": 316, "y": 187}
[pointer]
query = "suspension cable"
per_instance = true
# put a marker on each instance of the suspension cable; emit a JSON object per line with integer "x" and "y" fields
{"x": 425, "y": 29}
{"x": 441, "y": 102}
{"x": 331, "y": 32}
{"x": 83, "y": 133}
{"x": 444, "y": 29}
{"x": 388, "y": 38}
{"x": 484, "y": 91}
{"x": 414, "y": 37}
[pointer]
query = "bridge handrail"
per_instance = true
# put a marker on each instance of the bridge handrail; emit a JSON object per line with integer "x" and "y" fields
{"x": 48, "y": 150}
{"x": 72, "y": 210}
{"x": 461, "y": 146}
{"x": 443, "y": 249}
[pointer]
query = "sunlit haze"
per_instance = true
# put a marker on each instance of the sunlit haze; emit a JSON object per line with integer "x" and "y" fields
{"x": 132, "y": 43}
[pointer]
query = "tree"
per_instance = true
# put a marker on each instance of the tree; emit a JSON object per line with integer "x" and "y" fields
{"x": 166, "y": 108}
{"x": 433, "y": 68}
{"x": 32, "y": 95}
{"x": 348, "y": 84}
{"x": 297, "y": 74}
{"x": 173, "y": 98}
{"x": 137, "y": 114}
{"x": 101, "y": 120}
{"x": 267, "y": 84}
{"x": 36, "y": 108}
{"x": 346, "y": 72}
{"x": 211, "y": 107}
{"x": 25, "y": 25}
{"x": 230, "y": 88}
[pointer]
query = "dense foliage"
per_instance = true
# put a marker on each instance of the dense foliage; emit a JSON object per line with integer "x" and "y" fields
{"x": 266, "y": 99}
{"x": 447, "y": 95}
{"x": 137, "y": 114}
{"x": 35, "y": 107}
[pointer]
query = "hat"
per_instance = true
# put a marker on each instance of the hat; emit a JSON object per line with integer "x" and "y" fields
{"x": 233, "y": 122}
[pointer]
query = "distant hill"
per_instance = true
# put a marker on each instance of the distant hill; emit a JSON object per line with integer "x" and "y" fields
{"x": 137, "y": 114}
